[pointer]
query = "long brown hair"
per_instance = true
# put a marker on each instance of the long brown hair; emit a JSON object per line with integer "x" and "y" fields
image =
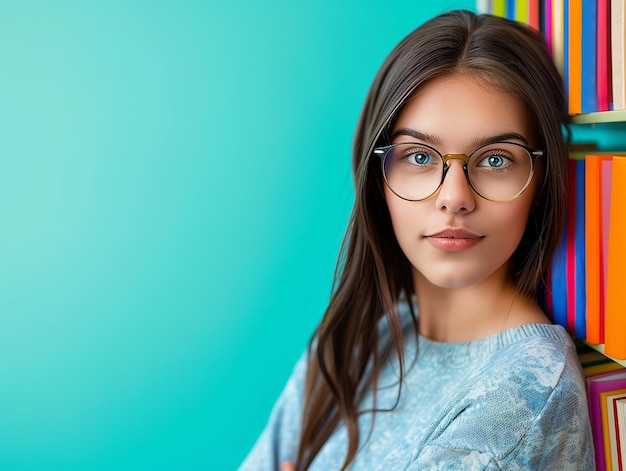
{"x": 372, "y": 273}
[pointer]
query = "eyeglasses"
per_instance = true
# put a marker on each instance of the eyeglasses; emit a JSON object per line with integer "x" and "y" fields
{"x": 499, "y": 171}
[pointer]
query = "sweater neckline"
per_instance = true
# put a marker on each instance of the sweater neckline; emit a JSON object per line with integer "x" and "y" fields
{"x": 447, "y": 352}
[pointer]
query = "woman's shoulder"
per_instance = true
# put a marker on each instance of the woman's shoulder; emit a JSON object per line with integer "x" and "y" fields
{"x": 533, "y": 393}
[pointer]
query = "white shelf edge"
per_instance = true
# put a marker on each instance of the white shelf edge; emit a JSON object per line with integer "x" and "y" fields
{"x": 599, "y": 117}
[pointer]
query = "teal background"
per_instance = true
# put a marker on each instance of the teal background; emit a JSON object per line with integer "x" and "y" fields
{"x": 174, "y": 186}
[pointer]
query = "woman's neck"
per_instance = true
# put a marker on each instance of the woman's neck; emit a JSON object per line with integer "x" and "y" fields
{"x": 474, "y": 312}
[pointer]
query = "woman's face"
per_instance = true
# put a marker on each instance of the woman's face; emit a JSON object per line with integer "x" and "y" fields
{"x": 456, "y": 238}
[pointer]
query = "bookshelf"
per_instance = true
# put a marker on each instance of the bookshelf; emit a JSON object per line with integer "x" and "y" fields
{"x": 600, "y": 348}
{"x": 600, "y": 117}
{"x": 594, "y": 74}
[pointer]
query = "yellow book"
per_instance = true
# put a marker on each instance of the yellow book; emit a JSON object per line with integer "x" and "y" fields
{"x": 521, "y": 11}
{"x": 499, "y": 8}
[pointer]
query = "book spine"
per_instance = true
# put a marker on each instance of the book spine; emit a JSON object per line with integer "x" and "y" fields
{"x": 615, "y": 315}
{"x": 592, "y": 244}
{"x": 521, "y": 11}
{"x": 570, "y": 265}
{"x": 618, "y": 61}
{"x": 606, "y": 170}
{"x": 533, "y": 14}
{"x": 483, "y": 6}
{"x": 574, "y": 33}
{"x": 559, "y": 283}
{"x": 499, "y": 8}
{"x": 589, "y": 102}
{"x": 580, "y": 275}
{"x": 511, "y": 8}
{"x": 547, "y": 23}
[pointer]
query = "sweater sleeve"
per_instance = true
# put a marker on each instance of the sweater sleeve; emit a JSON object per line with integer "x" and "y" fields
{"x": 279, "y": 440}
{"x": 515, "y": 417}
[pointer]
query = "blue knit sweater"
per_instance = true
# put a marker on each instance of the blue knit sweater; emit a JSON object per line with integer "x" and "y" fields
{"x": 515, "y": 400}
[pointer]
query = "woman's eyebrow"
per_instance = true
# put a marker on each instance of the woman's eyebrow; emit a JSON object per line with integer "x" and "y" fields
{"x": 505, "y": 136}
{"x": 479, "y": 141}
{"x": 422, "y": 136}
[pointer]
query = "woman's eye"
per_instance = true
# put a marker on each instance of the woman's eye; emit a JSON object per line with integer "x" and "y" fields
{"x": 494, "y": 161}
{"x": 420, "y": 158}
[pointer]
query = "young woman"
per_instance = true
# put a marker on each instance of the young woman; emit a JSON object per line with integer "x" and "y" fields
{"x": 434, "y": 352}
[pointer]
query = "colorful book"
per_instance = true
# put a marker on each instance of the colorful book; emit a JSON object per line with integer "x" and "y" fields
{"x": 557, "y": 36}
{"x": 589, "y": 37}
{"x": 615, "y": 314}
{"x": 620, "y": 406}
{"x": 511, "y": 9}
{"x": 521, "y": 10}
{"x": 606, "y": 170}
{"x": 534, "y": 18}
{"x": 597, "y": 200}
{"x": 592, "y": 241}
{"x": 570, "y": 263}
{"x": 557, "y": 296}
{"x": 618, "y": 51}
{"x": 546, "y": 24}
{"x": 603, "y": 53}
{"x": 499, "y": 7}
{"x": 580, "y": 260}
{"x": 596, "y": 385}
{"x": 574, "y": 34}
{"x": 483, "y": 6}
{"x": 609, "y": 430}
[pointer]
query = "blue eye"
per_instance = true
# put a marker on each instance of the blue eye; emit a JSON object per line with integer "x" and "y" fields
{"x": 420, "y": 158}
{"x": 495, "y": 161}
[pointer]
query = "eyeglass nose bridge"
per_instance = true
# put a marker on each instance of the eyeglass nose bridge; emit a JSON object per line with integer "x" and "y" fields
{"x": 446, "y": 166}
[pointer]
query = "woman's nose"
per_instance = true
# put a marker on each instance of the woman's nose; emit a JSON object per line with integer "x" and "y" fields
{"x": 455, "y": 194}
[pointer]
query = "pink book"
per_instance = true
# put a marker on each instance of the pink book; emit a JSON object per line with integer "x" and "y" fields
{"x": 606, "y": 170}
{"x": 547, "y": 23}
{"x": 596, "y": 385}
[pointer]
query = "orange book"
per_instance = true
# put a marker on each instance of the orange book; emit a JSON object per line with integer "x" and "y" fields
{"x": 533, "y": 14}
{"x": 593, "y": 240}
{"x": 575, "y": 56}
{"x": 597, "y": 195}
{"x": 615, "y": 315}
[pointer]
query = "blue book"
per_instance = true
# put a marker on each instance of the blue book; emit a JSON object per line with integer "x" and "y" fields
{"x": 580, "y": 278}
{"x": 558, "y": 277}
{"x": 510, "y": 9}
{"x": 589, "y": 58}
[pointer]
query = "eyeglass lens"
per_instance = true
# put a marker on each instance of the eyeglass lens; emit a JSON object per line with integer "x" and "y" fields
{"x": 498, "y": 172}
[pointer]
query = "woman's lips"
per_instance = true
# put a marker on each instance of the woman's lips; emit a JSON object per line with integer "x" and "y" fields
{"x": 454, "y": 240}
